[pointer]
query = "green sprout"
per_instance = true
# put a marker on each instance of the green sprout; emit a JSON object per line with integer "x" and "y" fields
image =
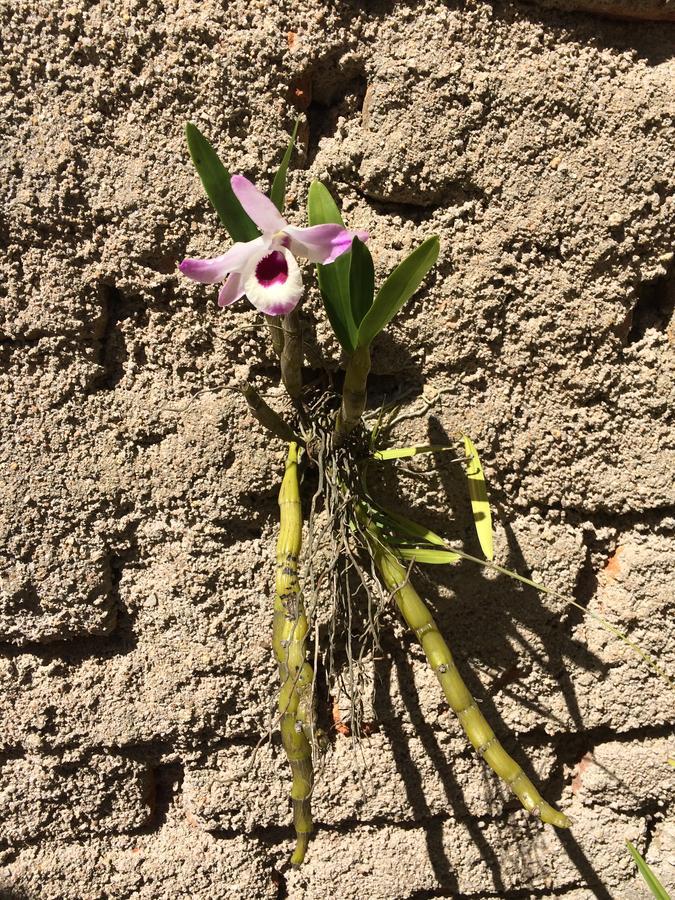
{"x": 648, "y": 875}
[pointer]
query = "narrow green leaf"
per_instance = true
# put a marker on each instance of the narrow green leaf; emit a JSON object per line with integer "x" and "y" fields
{"x": 406, "y": 452}
{"x": 671, "y": 762}
{"x": 397, "y": 290}
{"x": 216, "y": 181}
{"x": 333, "y": 278}
{"x": 361, "y": 281}
{"x": 278, "y": 192}
{"x": 647, "y": 873}
{"x": 479, "y": 498}
{"x": 407, "y": 526}
{"x": 427, "y": 555}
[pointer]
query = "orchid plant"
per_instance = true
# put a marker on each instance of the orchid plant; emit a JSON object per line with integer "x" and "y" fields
{"x": 334, "y": 435}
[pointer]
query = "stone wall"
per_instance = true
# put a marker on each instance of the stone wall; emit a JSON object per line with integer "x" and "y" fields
{"x": 138, "y": 495}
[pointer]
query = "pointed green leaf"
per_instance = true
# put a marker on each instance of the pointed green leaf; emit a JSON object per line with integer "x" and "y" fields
{"x": 397, "y": 290}
{"x": 427, "y": 555}
{"x": 479, "y": 498}
{"x": 405, "y": 452}
{"x": 278, "y": 192}
{"x": 216, "y": 181}
{"x": 333, "y": 278}
{"x": 361, "y": 281}
{"x": 647, "y": 873}
{"x": 407, "y": 526}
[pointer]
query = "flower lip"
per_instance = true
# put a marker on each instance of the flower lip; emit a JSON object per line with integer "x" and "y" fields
{"x": 272, "y": 281}
{"x": 272, "y": 269}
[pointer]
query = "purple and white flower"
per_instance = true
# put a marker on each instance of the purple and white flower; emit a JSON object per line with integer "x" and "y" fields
{"x": 265, "y": 269}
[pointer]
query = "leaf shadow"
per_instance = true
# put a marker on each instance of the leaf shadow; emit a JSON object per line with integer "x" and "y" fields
{"x": 486, "y": 616}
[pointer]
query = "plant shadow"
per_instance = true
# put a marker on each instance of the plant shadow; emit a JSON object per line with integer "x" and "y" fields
{"x": 488, "y": 617}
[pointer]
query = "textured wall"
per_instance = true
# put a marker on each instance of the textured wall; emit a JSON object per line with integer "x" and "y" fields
{"x": 138, "y": 514}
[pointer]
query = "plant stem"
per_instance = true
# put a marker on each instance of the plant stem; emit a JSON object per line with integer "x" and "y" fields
{"x": 291, "y": 354}
{"x": 289, "y": 642}
{"x": 482, "y": 737}
{"x": 353, "y": 393}
{"x": 276, "y": 332}
{"x": 267, "y": 417}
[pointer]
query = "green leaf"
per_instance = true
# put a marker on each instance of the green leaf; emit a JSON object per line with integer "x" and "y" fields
{"x": 333, "y": 278}
{"x": 408, "y": 527}
{"x": 406, "y": 452}
{"x": 427, "y": 555}
{"x": 361, "y": 281}
{"x": 216, "y": 181}
{"x": 647, "y": 873}
{"x": 479, "y": 498}
{"x": 397, "y": 290}
{"x": 278, "y": 192}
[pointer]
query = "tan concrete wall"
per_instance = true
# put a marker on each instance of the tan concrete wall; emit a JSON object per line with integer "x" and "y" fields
{"x": 138, "y": 496}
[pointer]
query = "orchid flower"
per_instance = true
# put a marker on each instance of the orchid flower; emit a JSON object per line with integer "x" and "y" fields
{"x": 265, "y": 269}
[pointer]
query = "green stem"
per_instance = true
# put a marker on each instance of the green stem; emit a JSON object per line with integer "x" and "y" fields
{"x": 292, "y": 355}
{"x": 353, "y": 393}
{"x": 267, "y": 417}
{"x": 482, "y": 737}
{"x": 276, "y": 332}
{"x": 289, "y": 642}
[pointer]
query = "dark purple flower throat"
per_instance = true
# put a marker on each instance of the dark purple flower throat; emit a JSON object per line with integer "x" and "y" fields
{"x": 272, "y": 269}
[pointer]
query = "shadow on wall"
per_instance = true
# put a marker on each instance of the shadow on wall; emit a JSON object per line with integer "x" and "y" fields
{"x": 648, "y": 41}
{"x": 503, "y": 606}
{"x": 510, "y": 603}
{"x": 600, "y": 28}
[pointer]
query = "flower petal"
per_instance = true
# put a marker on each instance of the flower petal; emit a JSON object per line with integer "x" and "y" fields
{"x": 273, "y": 282}
{"x": 210, "y": 271}
{"x": 232, "y": 290}
{"x": 322, "y": 243}
{"x": 259, "y": 207}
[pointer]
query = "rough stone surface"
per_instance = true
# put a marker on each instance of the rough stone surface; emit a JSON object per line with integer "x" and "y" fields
{"x": 62, "y": 798}
{"x": 377, "y": 778}
{"x": 138, "y": 496}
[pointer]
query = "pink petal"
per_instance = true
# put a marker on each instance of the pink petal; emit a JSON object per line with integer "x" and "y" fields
{"x": 322, "y": 243}
{"x": 259, "y": 207}
{"x": 210, "y": 271}
{"x": 232, "y": 290}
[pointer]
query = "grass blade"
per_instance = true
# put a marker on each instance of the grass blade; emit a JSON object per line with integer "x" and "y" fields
{"x": 278, "y": 192}
{"x": 216, "y": 181}
{"x": 406, "y": 452}
{"x": 412, "y": 529}
{"x": 427, "y": 555}
{"x": 397, "y": 290}
{"x": 646, "y": 657}
{"x": 650, "y": 878}
{"x": 361, "y": 281}
{"x": 333, "y": 278}
{"x": 480, "y": 505}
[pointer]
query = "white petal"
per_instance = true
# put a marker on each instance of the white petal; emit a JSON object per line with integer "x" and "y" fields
{"x": 275, "y": 297}
{"x": 322, "y": 243}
